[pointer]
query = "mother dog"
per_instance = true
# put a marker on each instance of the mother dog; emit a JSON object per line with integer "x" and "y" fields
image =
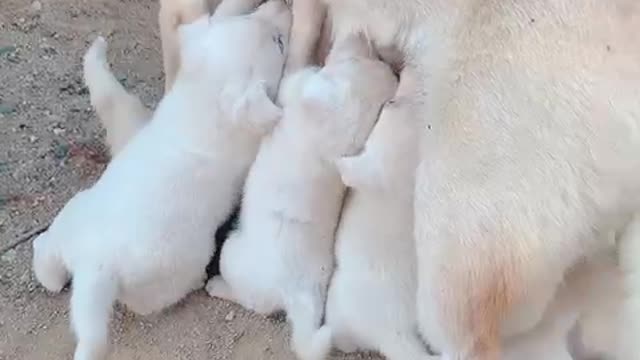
{"x": 530, "y": 155}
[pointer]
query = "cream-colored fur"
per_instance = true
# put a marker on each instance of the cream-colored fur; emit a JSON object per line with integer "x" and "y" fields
{"x": 529, "y": 160}
{"x": 172, "y": 14}
{"x": 281, "y": 255}
{"x": 143, "y": 234}
{"x": 371, "y": 303}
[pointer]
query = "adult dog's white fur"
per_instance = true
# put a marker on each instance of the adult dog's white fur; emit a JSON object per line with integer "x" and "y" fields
{"x": 281, "y": 255}
{"x": 529, "y": 161}
{"x": 371, "y": 303}
{"x": 143, "y": 234}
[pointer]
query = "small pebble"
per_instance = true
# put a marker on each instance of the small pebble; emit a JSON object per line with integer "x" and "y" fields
{"x": 9, "y": 256}
{"x": 33, "y": 139}
{"x": 36, "y": 6}
{"x": 230, "y": 316}
{"x": 59, "y": 131}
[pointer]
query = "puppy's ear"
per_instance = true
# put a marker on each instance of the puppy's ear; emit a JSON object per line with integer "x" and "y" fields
{"x": 357, "y": 171}
{"x": 257, "y": 109}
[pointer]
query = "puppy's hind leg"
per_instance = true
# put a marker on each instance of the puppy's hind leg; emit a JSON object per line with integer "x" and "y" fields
{"x": 91, "y": 305}
{"x": 120, "y": 113}
{"x": 47, "y": 263}
{"x": 310, "y": 341}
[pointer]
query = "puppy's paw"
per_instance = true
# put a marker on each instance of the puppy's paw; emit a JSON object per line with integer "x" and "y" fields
{"x": 347, "y": 169}
{"x": 218, "y": 288}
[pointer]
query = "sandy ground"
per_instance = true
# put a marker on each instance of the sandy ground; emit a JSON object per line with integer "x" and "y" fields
{"x": 50, "y": 147}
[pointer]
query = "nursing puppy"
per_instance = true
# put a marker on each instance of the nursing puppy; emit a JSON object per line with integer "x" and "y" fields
{"x": 371, "y": 303}
{"x": 281, "y": 256}
{"x": 143, "y": 234}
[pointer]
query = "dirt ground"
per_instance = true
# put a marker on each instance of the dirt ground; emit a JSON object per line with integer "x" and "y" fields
{"x": 50, "y": 147}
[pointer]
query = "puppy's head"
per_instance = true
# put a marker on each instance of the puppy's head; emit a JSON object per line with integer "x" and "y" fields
{"x": 340, "y": 103}
{"x": 249, "y": 47}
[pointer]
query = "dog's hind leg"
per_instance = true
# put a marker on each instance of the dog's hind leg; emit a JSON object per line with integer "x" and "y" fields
{"x": 306, "y": 31}
{"x": 47, "y": 264}
{"x": 91, "y": 305}
{"x": 310, "y": 341}
{"x": 120, "y": 113}
{"x": 629, "y": 259}
{"x": 174, "y": 13}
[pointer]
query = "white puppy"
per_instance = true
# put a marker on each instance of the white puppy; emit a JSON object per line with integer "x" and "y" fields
{"x": 371, "y": 301}
{"x": 143, "y": 234}
{"x": 281, "y": 256}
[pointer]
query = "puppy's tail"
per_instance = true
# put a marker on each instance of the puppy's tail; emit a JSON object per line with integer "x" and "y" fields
{"x": 94, "y": 292}
{"x": 120, "y": 113}
{"x": 309, "y": 340}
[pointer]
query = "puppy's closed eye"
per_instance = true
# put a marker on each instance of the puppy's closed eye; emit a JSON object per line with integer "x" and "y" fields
{"x": 279, "y": 41}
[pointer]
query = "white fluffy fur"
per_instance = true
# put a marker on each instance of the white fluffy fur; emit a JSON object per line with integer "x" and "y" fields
{"x": 371, "y": 301}
{"x": 281, "y": 256}
{"x": 143, "y": 234}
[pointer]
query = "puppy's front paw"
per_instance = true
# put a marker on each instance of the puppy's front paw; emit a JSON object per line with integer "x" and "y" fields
{"x": 345, "y": 166}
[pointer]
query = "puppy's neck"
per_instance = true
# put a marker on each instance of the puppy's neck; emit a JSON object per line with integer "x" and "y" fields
{"x": 189, "y": 114}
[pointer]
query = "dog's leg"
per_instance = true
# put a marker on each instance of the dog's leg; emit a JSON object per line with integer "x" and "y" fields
{"x": 120, "y": 113}
{"x": 308, "y": 17}
{"x": 174, "y": 13}
{"x": 629, "y": 259}
{"x": 91, "y": 307}
{"x": 236, "y": 7}
{"x": 47, "y": 264}
{"x": 217, "y": 287}
{"x": 478, "y": 279}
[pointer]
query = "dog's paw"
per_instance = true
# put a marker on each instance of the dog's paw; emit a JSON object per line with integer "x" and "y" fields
{"x": 218, "y": 288}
